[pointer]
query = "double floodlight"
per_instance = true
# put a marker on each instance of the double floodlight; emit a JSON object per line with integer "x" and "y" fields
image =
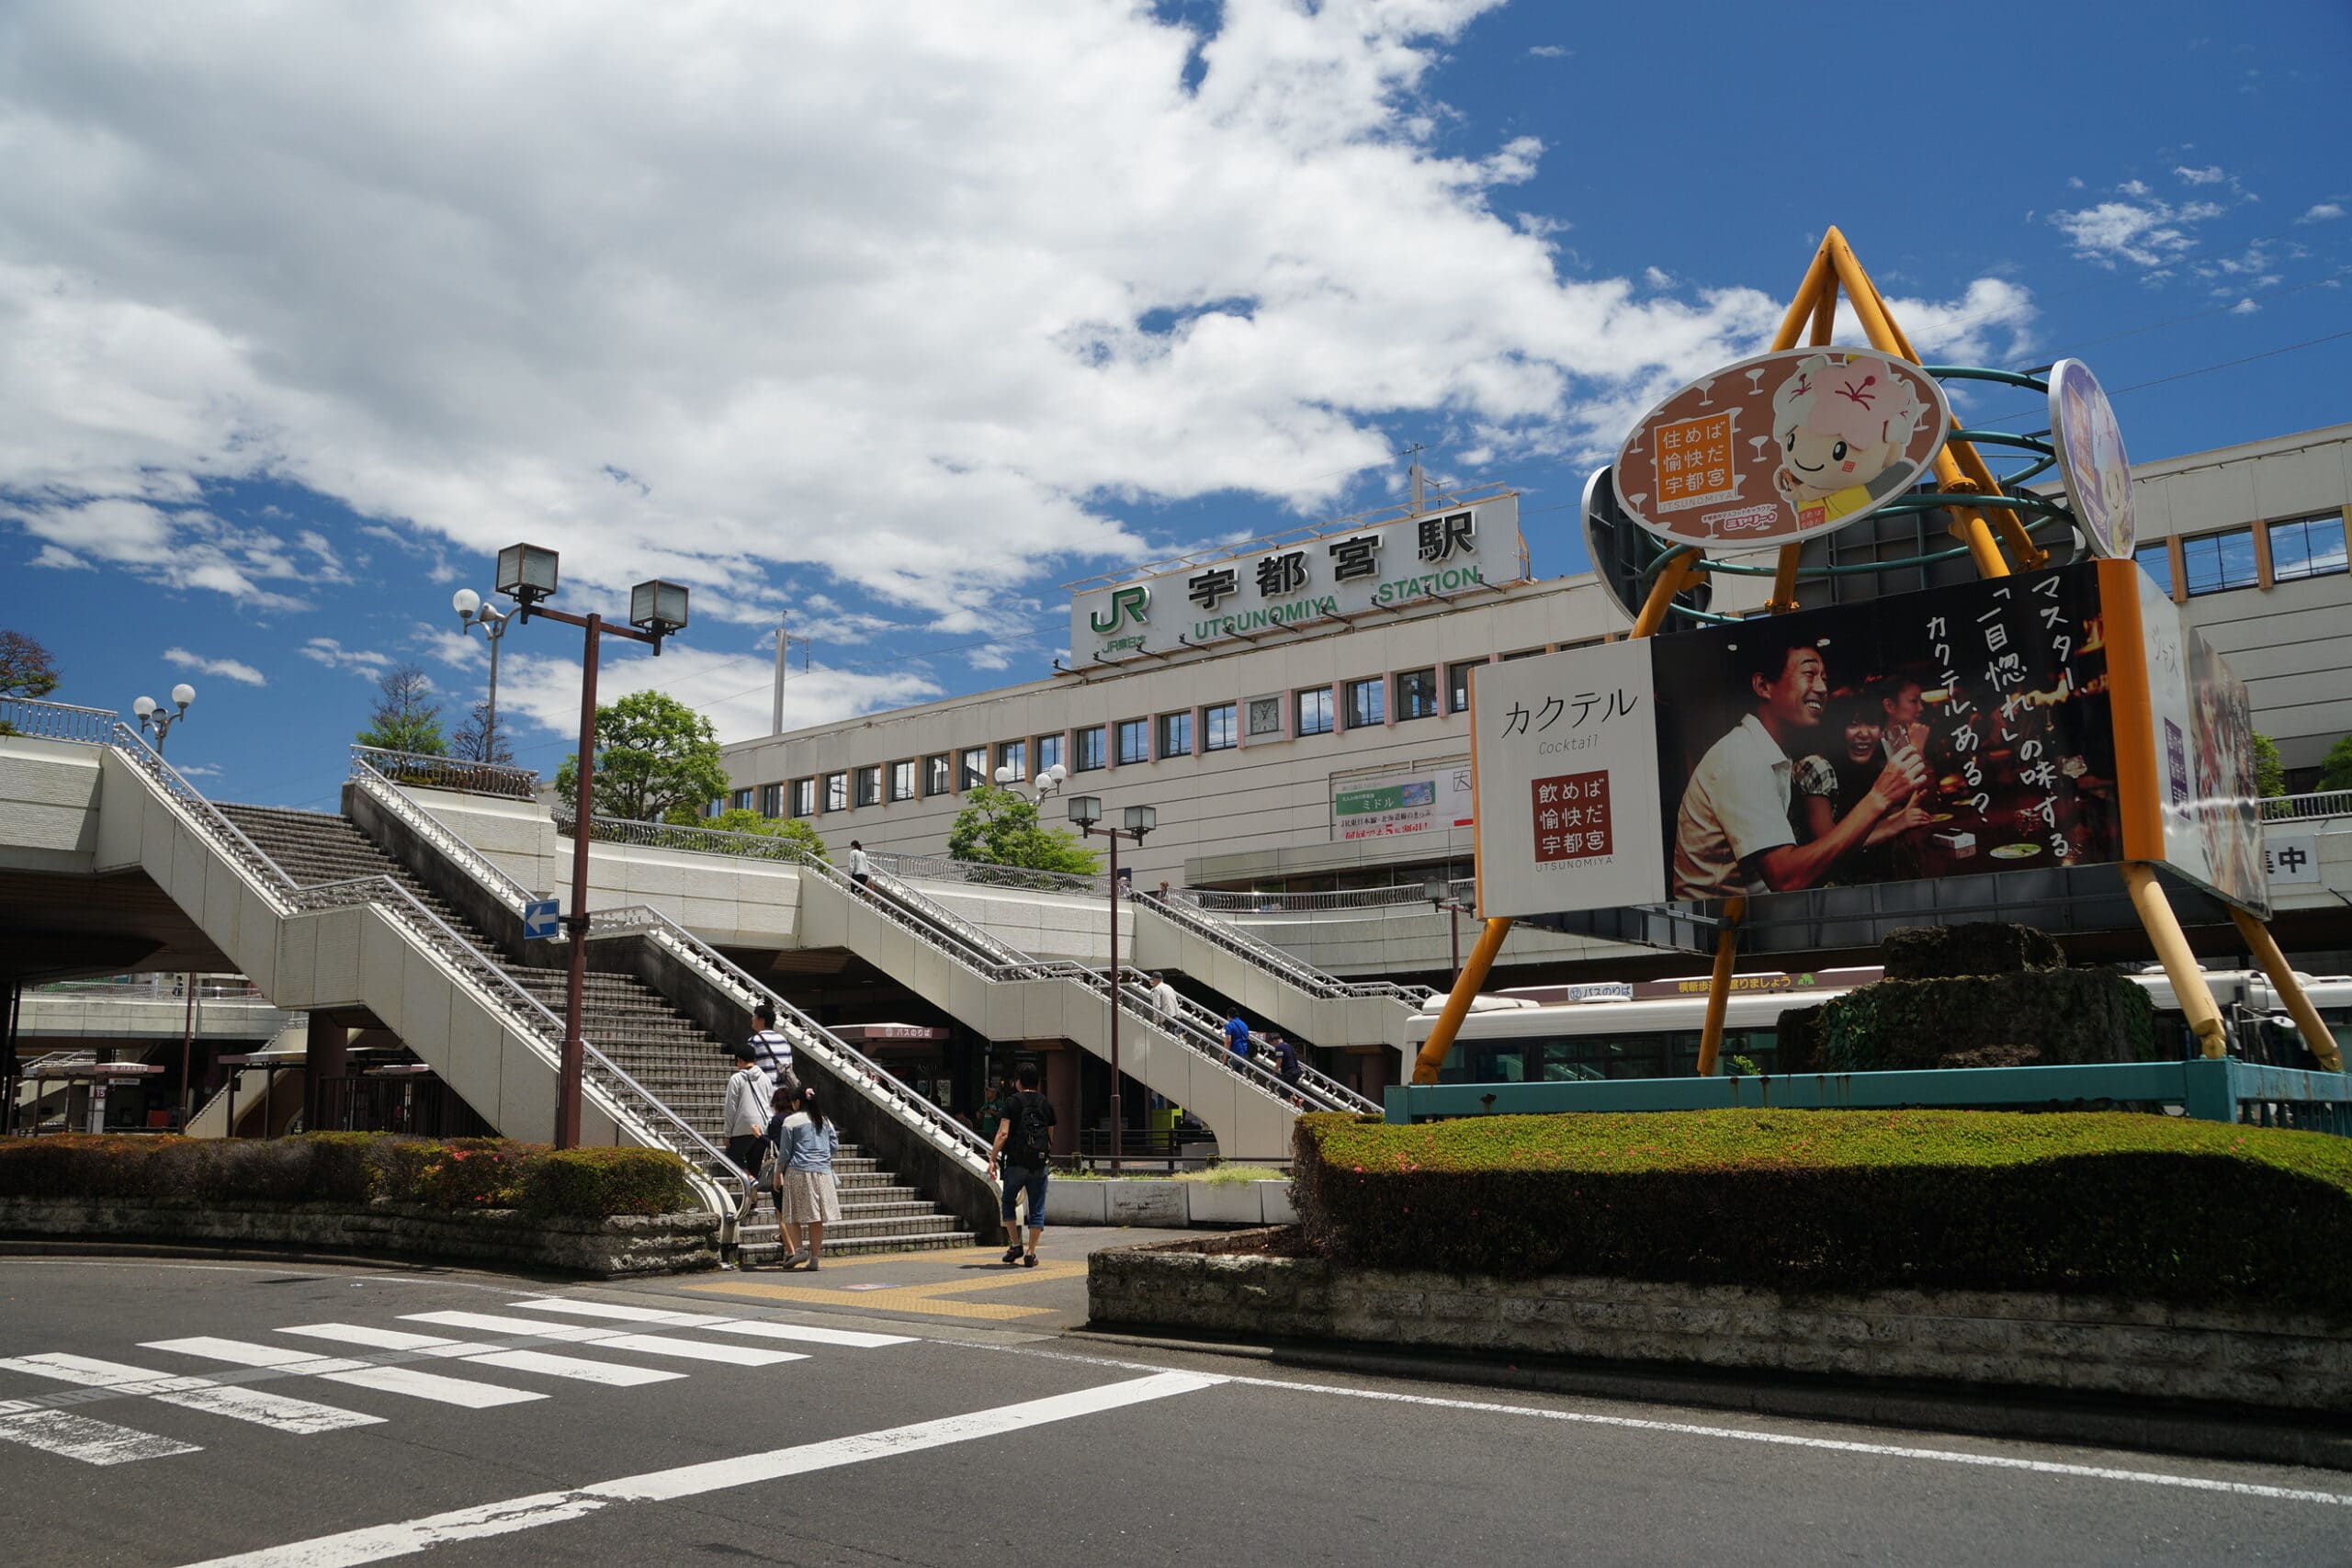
{"x": 1086, "y": 810}
{"x": 182, "y": 695}
{"x": 657, "y": 608}
{"x": 526, "y": 574}
{"x": 1007, "y": 775}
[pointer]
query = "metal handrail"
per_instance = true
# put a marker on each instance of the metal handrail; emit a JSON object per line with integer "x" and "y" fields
{"x": 38, "y": 720}
{"x": 987, "y": 873}
{"x": 1220, "y": 900}
{"x": 846, "y": 1060}
{"x": 432, "y": 772}
{"x": 1207, "y": 1021}
{"x": 688, "y": 837}
{"x": 2312, "y": 808}
{"x": 1267, "y": 957}
{"x": 453, "y": 845}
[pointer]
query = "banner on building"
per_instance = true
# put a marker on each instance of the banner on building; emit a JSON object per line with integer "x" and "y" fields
{"x": 2063, "y": 717}
{"x": 1432, "y": 555}
{"x": 1416, "y": 800}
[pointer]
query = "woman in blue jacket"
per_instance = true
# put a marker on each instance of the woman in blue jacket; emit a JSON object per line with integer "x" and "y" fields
{"x": 805, "y": 1142}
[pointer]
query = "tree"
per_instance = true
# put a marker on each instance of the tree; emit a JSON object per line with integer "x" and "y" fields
{"x": 477, "y": 742}
{"x": 25, "y": 668}
{"x": 796, "y": 840}
{"x": 2269, "y": 773}
{"x": 2335, "y": 768}
{"x": 999, "y": 828}
{"x": 657, "y": 760}
{"x": 404, "y": 718}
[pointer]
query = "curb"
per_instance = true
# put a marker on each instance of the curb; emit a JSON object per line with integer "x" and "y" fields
{"x": 2100, "y": 1423}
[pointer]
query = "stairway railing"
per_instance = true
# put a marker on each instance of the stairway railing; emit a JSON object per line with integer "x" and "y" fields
{"x": 1305, "y": 976}
{"x": 423, "y": 771}
{"x": 368, "y": 774}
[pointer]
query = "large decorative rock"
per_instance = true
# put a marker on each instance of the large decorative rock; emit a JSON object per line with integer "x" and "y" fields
{"x": 1944, "y": 952}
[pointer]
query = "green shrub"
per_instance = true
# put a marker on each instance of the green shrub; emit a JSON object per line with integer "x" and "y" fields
{"x": 592, "y": 1183}
{"x": 2084, "y": 1202}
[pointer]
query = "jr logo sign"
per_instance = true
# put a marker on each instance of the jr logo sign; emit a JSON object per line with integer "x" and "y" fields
{"x": 1131, "y": 602}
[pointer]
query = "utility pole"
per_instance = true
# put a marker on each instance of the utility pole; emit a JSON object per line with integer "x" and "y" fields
{"x": 784, "y": 641}
{"x": 1417, "y": 475}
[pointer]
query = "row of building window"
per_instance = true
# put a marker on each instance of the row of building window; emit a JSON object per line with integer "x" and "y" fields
{"x": 2253, "y": 555}
{"x": 1363, "y": 704}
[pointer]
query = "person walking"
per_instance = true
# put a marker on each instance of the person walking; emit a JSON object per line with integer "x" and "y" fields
{"x": 1287, "y": 1054}
{"x": 808, "y": 1199}
{"x": 1236, "y": 1037}
{"x": 1165, "y": 1000}
{"x": 772, "y": 1049}
{"x": 745, "y": 1123}
{"x": 860, "y": 868}
{"x": 1023, "y": 1145}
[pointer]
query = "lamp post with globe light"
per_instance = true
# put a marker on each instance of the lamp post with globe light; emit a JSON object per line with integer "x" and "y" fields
{"x": 526, "y": 574}
{"x": 1086, "y": 810}
{"x": 491, "y": 621}
{"x": 1048, "y": 782}
{"x": 154, "y": 720}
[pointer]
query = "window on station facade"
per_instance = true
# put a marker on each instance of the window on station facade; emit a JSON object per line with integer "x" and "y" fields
{"x": 1416, "y": 693}
{"x": 902, "y": 779}
{"x": 1221, "y": 726}
{"x": 1049, "y": 752}
{"x": 2155, "y": 560}
{"x": 742, "y": 799}
{"x": 1176, "y": 733}
{"x": 938, "y": 778}
{"x": 2308, "y": 546}
{"x": 837, "y": 792}
{"x": 1135, "y": 740}
{"x": 1087, "y": 753}
{"x": 1457, "y": 685}
{"x": 2215, "y": 563}
{"x": 972, "y": 767}
{"x": 1013, "y": 754}
{"x": 869, "y": 785}
{"x": 1315, "y": 711}
{"x": 1368, "y": 702}
{"x": 770, "y": 800}
{"x": 804, "y": 797}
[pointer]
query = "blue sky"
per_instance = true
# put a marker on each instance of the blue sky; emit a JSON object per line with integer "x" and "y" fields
{"x": 310, "y": 311}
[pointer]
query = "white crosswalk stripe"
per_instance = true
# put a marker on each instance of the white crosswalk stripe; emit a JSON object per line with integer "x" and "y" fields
{"x": 92, "y": 1442}
{"x": 276, "y": 1411}
{"x": 461, "y": 1391}
{"x": 757, "y": 1328}
{"x": 647, "y": 1344}
{"x": 580, "y": 1369}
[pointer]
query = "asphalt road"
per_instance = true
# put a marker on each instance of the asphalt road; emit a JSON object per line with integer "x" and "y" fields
{"x": 173, "y": 1413}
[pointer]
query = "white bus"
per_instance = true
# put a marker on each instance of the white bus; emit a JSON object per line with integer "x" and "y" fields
{"x": 1552, "y": 1033}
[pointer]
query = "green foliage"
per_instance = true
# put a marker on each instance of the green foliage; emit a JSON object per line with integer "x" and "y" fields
{"x": 795, "y": 839}
{"x": 2269, "y": 773}
{"x": 657, "y": 760}
{"x": 460, "y": 1175}
{"x": 1740, "y": 1067}
{"x": 2045, "y": 1018}
{"x": 2335, "y": 768}
{"x": 998, "y": 827}
{"x": 25, "y": 668}
{"x": 404, "y": 718}
{"x": 2080, "y": 1202}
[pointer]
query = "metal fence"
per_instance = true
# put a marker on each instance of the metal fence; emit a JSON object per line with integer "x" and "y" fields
{"x": 1396, "y": 897}
{"x": 57, "y": 721}
{"x": 420, "y": 771}
{"x": 2311, "y": 808}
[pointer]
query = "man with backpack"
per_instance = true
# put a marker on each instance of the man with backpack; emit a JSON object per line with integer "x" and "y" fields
{"x": 746, "y": 1122}
{"x": 770, "y": 1049}
{"x": 1023, "y": 1145}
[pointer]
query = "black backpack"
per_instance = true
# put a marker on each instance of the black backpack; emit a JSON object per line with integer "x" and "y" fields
{"x": 1031, "y": 1138}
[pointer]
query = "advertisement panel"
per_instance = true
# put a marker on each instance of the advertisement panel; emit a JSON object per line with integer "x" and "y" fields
{"x": 2091, "y": 465}
{"x": 2054, "y": 718}
{"x": 1420, "y": 800}
{"x": 1396, "y": 563}
{"x": 1782, "y": 446}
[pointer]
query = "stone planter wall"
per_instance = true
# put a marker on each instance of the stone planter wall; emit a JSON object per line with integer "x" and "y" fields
{"x": 1176, "y": 1205}
{"x": 2241, "y": 1356}
{"x": 629, "y": 1244}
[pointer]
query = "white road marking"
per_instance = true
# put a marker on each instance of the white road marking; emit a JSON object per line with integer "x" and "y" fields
{"x": 648, "y": 1344}
{"x": 276, "y": 1411}
{"x": 758, "y": 1329}
{"x": 92, "y": 1442}
{"x": 580, "y": 1369}
{"x": 358, "y": 1374}
{"x": 378, "y": 1542}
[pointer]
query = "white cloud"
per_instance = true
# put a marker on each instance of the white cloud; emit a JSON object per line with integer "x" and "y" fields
{"x": 2321, "y": 212}
{"x": 226, "y": 669}
{"x": 2134, "y": 187}
{"x": 326, "y": 650}
{"x": 1550, "y": 50}
{"x": 1987, "y": 326}
{"x": 2244, "y": 307}
{"x": 616, "y": 281}
{"x": 2148, "y": 234}
{"x": 735, "y": 690}
{"x": 2209, "y": 176}
{"x": 61, "y": 559}
{"x": 196, "y": 770}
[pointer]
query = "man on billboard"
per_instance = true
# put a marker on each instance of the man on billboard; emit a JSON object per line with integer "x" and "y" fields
{"x": 1733, "y": 833}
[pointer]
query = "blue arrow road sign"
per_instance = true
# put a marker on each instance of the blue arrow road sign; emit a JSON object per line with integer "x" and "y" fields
{"x": 541, "y": 919}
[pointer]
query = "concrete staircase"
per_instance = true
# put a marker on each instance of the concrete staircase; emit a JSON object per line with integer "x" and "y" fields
{"x": 667, "y": 1054}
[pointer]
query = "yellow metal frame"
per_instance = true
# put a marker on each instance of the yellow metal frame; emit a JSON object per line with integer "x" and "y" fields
{"x": 1959, "y": 469}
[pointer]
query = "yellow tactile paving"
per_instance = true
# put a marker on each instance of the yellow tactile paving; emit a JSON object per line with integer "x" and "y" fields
{"x": 928, "y": 1300}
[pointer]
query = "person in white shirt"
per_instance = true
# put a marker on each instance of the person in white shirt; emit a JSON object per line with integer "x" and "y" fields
{"x": 771, "y": 1050}
{"x": 1165, "y": 1000}
{"x": 860, "y": 868}
{"x": 745, "y": 1121}
{"x": 1734, "y": 834}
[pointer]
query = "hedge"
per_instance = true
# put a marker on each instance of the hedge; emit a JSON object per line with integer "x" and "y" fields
{"x": 2105, "y": 1202}
{"x": 457, "y": 1174}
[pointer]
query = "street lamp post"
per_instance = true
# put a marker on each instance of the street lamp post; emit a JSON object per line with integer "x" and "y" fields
{"x": 1048, "y": 782}
{"x": 1438, "y": 891}
{"x": 154, "y": 720}
{"x": 1086, "y": 810}
{"x": 493, "y": 622}
{"x": 526, "y": 574}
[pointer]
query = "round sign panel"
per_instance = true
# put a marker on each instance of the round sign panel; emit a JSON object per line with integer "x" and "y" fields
{"x": 1782, "y": 446}
{"x": 2091, "y": 464}
{"x": 1619, "y": 552}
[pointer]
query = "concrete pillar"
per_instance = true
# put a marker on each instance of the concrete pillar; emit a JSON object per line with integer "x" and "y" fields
{"x": 327, "y": 1044}
{"x": 1061, "y": 1088}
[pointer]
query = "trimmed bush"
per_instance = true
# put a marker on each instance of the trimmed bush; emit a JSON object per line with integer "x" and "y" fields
{"x": 460, "y": 1175}
{"x": 2106, "y": 1202}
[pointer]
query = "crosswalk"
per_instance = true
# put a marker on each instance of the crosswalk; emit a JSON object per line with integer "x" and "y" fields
{"x": 603, "y": 1344}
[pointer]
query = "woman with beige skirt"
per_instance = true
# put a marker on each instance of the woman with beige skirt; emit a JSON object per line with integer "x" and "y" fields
{"x": 805, "y": 1142}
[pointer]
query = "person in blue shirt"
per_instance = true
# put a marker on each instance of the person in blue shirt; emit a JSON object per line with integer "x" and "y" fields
{"x": 1236, "y": 1037}
{"x": 805, "y": 1142}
